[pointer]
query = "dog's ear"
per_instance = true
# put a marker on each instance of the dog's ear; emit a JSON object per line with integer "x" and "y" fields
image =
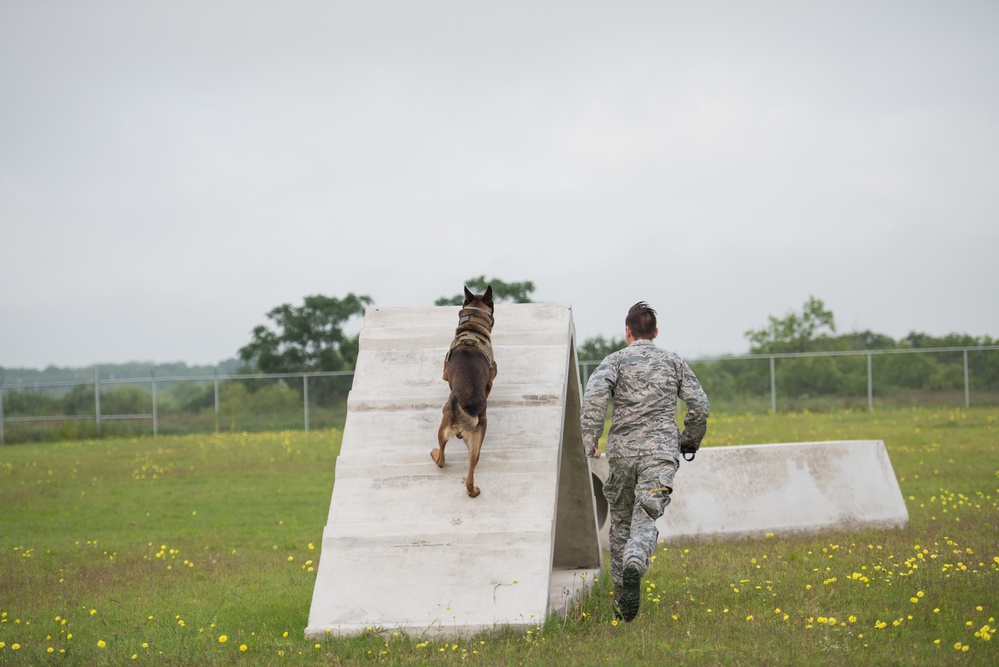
{"x": 468, "y": 297}
{"x": 488, "y": 296}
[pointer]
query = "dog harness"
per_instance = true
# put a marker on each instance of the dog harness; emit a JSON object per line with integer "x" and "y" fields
{"x": 473, "y": 330}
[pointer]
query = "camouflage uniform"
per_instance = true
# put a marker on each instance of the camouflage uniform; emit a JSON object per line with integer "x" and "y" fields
{"x": 643, "y": 445}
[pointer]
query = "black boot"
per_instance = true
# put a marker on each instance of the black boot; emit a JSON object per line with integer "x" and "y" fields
{"x": 631, "y": 592}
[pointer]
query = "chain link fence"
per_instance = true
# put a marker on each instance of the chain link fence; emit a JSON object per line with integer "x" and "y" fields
{"x": 302, "y": 401}
{"x": 172, "y": 405}
{"x": 847, "y": 379}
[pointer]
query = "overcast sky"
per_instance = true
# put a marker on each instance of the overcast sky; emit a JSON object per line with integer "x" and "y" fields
{"x": 171, "y": 171}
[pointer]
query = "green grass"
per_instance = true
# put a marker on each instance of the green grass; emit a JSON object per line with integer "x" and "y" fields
{"x": 157, "y": 548}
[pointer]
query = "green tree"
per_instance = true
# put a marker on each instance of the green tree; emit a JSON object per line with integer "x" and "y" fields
{"x": 79, "y": 400}
{"x": 797, "y": 332}
{"x": 865, "y": 340}
{"x": 598, "y": 347}
{"x": 126, "y": 400}
{"x": 917, "y": 340}
{"x": 519, "y": 292}
{"x": 309, "y": 337}
{"x": 30, "y": 403}
{"x": 595, "y": 349}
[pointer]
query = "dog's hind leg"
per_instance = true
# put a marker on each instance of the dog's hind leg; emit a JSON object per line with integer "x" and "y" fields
{"x": 437, "y": 454}
{"x": 474, "y": 441}
{"x": 444, "y": 434}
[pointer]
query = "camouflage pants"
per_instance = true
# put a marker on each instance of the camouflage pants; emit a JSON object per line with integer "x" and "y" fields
{"x": 637, "y": 492}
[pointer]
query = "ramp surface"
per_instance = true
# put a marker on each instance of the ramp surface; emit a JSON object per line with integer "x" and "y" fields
{"x": 752, "y": 490}
{"x": 404, "y": 546}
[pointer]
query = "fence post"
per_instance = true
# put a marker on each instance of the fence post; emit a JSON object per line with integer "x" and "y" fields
{"x": 967, "y": 390}
{"x": 305, "y": 399}
{"x": 1, "y": 414}
{"x": 870, "y": 385}
{"x": 97, "y": 400}
{"x": 773, "y": 387}
{"x": 152, "y": 379}
{"x": 216, "y": 403}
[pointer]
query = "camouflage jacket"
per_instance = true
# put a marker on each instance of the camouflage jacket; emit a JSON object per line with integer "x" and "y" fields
{"x": 643, "y": 381}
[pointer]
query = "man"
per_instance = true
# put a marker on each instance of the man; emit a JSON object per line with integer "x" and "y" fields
{"x": 643, "y": 446}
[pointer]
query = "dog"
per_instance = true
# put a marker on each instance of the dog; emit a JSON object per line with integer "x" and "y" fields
{"x": 469, "y": 370}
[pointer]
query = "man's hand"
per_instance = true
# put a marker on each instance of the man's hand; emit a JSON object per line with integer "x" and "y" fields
{"x": 596, "y": 453}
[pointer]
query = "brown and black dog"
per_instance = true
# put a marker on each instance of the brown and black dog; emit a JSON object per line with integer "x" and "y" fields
{"x": 469, "y": 369}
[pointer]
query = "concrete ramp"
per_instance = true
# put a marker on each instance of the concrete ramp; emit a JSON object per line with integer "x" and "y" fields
{"x": 752, "y": 490}
{"x": 404, "y": 546}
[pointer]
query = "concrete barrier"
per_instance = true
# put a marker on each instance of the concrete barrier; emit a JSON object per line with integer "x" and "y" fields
{"x": 753, "y": 490}
{"x": 404, "y": 546}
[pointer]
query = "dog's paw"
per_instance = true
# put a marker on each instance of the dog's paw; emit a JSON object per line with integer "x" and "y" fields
{"x": 438, "y": 456}
{"x": 472, "y": 490}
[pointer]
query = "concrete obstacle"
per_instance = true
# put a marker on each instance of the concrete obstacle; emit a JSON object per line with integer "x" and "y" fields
{"x": 780, "y": 489}
{"x": 404, "y": 546}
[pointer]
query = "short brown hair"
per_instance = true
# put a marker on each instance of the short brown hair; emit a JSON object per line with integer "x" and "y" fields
{"x": 641, "y": 320}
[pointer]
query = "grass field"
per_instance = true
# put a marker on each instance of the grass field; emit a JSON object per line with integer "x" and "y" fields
{"x": 201, "y": 550}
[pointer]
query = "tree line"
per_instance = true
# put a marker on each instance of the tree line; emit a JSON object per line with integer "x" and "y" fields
{"x": 813, "y": 330}
{"x": 815, "y": 380}
{"x": 310, "y": 337}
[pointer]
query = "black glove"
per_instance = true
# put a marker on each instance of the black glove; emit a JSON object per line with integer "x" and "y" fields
{"x": 688, "y": 448}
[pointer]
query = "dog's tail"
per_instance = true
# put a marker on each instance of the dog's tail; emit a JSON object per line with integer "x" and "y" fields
{"x": 466, "y": 421}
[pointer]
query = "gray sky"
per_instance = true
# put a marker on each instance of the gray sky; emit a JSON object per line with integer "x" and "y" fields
{"x": 169, "y": 172}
